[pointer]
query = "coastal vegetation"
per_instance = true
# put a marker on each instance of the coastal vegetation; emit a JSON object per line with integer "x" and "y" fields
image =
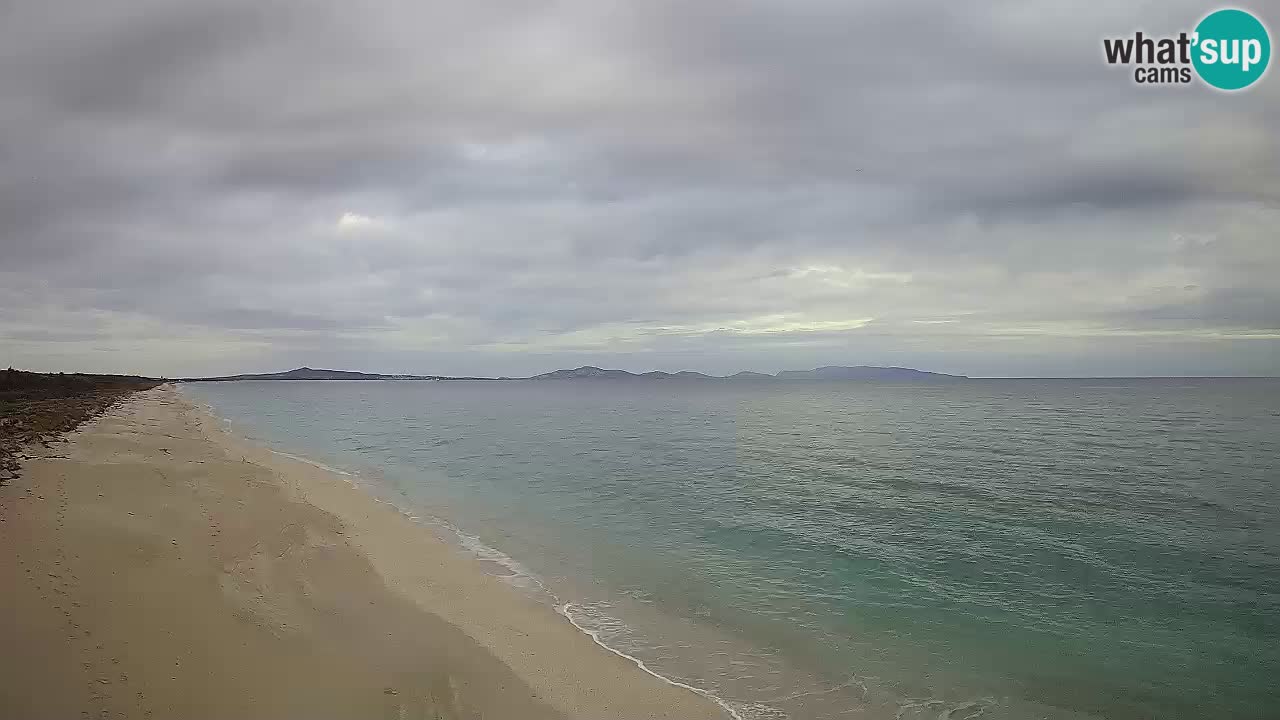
{"x": 39, "y": 407}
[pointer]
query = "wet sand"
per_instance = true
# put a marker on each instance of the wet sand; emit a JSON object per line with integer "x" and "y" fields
{"x": 155, "y": 565}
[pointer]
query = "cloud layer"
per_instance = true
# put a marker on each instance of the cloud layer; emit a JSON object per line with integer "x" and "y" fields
{"x": 427, "y": 187}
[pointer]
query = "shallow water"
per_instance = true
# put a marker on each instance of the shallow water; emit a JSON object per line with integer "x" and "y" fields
{"x": 1009, "y": 549}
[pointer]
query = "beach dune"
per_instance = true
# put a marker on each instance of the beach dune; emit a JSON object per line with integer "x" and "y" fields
{"x": 156, "y": 565}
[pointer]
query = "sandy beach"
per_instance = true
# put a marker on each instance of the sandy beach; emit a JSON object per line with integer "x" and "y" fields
{"x": 156, "y": 565}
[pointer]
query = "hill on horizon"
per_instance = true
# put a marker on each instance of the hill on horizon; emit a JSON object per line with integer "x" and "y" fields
{"x": 591, "y": 372}
{"x": 829, "y": 372}
{"x": 306, "y": 373}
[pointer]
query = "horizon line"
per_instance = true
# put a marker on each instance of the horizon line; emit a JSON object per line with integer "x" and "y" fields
{"x": 414, "y": 375}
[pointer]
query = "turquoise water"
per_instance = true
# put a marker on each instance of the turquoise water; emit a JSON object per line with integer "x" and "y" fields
{"x": 1003, "y": 549}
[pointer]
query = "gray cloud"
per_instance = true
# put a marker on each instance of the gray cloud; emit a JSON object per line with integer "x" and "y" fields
{"x": 192, "y": 188}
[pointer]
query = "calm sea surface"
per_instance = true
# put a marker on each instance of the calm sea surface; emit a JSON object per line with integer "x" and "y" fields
{"x": 1003, "y": 549}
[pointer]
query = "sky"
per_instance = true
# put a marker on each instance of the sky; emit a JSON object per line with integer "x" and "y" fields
{"x": 510, "y": 187}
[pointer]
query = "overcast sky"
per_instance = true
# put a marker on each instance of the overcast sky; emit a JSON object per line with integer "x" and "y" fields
{"x": 512, "y": 187}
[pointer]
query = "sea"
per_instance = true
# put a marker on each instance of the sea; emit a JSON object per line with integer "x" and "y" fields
{"x": 1003, "y": 549}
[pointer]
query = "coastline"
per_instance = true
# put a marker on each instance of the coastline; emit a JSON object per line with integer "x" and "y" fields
{"x": 163, "y": 566}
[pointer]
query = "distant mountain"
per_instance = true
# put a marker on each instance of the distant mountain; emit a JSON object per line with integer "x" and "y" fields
{"x": 859, "y": 372}
{"x": 682, "y": 375}
{"x": 586, "y": 372}
{"x": 692, "y": 375}
{"x": 306, "y": 373}
{"x": 863, "y": 372}
{"x": 591, "y": 372}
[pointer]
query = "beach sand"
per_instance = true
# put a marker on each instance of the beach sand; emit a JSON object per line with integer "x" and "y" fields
{"x": 155, "y": 565}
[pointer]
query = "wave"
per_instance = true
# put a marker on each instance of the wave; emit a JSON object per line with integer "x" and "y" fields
{"x": 313, "y": 463}
{"x": 566, "y": 609}
{"x": 521, "y": 577}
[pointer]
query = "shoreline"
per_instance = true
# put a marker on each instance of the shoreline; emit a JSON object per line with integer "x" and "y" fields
{"x": 462, "y": 541}
{"x": 519, "y": 576}
{"x": 471, "y": 545}
{"x": 161, "y": 564}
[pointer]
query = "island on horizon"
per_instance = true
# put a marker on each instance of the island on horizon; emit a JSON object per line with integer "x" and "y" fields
{"x": 591, "y": 372}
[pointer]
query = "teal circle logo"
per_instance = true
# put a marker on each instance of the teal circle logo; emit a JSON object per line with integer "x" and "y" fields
{"x": 1232, "y": 49}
